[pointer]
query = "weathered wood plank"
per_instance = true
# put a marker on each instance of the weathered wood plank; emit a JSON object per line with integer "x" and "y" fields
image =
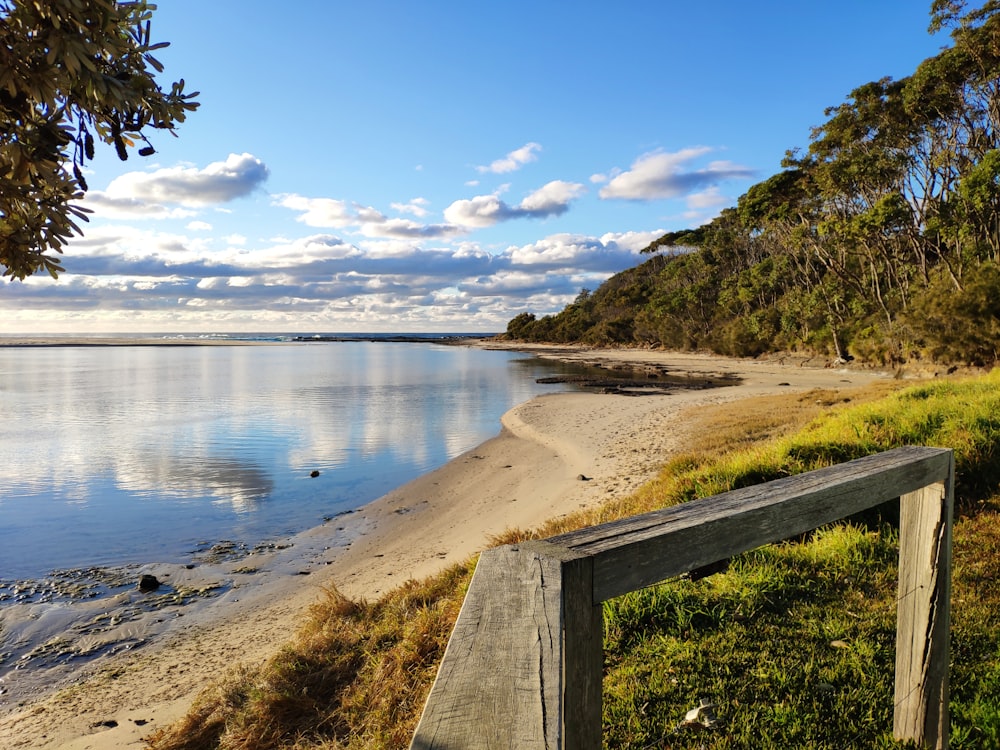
{"x": 643, "y": 550}
{"x": 923, "y": 616}
{"x": 523, "y": 667}
{"x": 502, "y": 682}
{"x": 583, "y": 657}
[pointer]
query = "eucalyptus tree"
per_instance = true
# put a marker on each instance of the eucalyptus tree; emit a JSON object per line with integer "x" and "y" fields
{"x": 72, "y": 72}
{"x": 953, "y": 99}
{"x": 783, "y": 214}
{"x": 857, "y": 164}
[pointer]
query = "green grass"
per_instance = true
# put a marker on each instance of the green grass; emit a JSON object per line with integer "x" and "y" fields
{"x": 793, "y": 644}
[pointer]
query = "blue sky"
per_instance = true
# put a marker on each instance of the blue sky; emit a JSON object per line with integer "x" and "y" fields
{"x": 444, "y": 166}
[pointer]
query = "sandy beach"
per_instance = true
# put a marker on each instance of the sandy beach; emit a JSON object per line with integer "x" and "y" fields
{"x": 527, "y": 474}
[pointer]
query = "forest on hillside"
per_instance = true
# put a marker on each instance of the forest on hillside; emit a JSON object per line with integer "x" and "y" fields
{"x": 880, "y": 242}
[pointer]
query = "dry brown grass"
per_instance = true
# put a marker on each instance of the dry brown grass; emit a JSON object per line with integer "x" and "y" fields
{"x": 356, "y": 675}
{"x": 718, "y": 430}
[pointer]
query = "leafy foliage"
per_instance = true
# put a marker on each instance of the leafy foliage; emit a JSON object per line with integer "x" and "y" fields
{"x": 71, "y": 72}
{"x": 879, "y": 242}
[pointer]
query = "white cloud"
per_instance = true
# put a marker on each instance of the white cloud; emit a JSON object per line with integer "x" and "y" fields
{"x": 331, "y": 213}
{"x": 360, "y": 267}
{"x": 107, "y": 206}
{"x": 634, "y": 242}
{"x": 573, "y": 253}
{"x": 319, "y": 212}
{"x": 416, "y": 207}
{"x": 514, "y": 160}
{"x": 406, "y": 229}
{"x": 480, "y": 211}
{"x": 551, "y": 199}
{"x": 219, "y": 182}
{"x": 661, "y": 175}
{"x": 299, "y": 252}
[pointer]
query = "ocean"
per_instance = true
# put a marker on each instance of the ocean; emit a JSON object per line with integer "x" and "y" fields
{"x": 125, "y": 455}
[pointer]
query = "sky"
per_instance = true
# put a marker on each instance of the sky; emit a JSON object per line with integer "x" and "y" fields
{"x": 443, "y": 166}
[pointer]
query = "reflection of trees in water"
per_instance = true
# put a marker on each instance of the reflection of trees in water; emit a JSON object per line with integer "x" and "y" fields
{"x": 239, "y": 483}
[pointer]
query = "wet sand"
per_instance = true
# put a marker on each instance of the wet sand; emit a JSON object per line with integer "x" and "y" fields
{"x": 524, "y": 476}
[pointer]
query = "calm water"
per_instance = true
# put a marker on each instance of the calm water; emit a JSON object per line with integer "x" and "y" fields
{"x": 117, "y": 455}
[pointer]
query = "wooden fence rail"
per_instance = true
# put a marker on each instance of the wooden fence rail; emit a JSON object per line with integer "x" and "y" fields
{"x": 524, "y": 664}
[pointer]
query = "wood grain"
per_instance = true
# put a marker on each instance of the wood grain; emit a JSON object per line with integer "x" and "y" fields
{"x": 524, "y": 665}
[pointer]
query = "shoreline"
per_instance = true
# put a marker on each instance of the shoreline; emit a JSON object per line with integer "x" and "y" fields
{"x": 524, "y": 476}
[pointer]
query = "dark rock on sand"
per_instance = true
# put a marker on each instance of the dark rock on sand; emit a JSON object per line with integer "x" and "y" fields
{"x": 148, "y": 583}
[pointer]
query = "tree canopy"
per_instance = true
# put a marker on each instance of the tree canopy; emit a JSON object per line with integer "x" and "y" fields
{"x": 881, "y": 241}
{"x": 71, "y": 72}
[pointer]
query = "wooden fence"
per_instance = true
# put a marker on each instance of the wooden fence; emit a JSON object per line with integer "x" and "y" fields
{"x": 524, "y": 664}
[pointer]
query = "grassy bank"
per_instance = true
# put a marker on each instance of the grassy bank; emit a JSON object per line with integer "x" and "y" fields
{"x": 793, "y": 645}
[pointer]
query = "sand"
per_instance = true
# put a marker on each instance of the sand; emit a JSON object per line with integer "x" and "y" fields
{"x": 527, "y": 474}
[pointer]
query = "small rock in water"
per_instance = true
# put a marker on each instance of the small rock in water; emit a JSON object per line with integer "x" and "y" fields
{"x": 148, "y": 583}
{"x": 314, "y": 473}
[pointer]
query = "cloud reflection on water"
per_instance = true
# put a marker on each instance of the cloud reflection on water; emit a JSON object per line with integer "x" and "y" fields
{"x": 223, "y": 439}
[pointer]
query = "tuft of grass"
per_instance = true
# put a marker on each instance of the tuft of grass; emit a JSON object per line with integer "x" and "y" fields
{"x": 793, "y": 644}
{"x": 357, "y": 675}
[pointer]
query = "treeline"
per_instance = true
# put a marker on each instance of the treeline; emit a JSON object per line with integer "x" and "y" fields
{"x": 881, "y": 241}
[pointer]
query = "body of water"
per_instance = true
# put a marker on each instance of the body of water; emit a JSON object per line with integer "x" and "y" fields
{"x": 115, "y": 455}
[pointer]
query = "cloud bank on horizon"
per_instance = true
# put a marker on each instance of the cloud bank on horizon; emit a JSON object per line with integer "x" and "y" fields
{"x": 379, "y": 270}
{"x": 416, "y": 173}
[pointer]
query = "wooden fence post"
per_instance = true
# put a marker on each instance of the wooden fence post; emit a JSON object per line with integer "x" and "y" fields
{"x": 523, "y": 668}
{"x": 924, "y": 614}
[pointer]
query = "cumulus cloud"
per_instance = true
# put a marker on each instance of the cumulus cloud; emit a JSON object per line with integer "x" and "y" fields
{"x": 514, "y": 160}
{"x": 481, "y": 211}
{"x": 660, "y": 175}
{"x": 552, "y": 199}
{"x": 406, "y": 229}
{"x": 633, "y": 242}
{"x": 108, "y": 206}
{"x": 575, "y": 253}
{"x": 304, "y": 251}
{"x": 416, "y": 207}
{"x": 337, "y": 214}
{"x": 219, "y": 182}
{"x": 359, "y": 264}
{"x": 319, "y": 212}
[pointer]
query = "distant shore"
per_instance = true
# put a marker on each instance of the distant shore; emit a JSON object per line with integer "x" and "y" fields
{"x": 194, "y": 340}
{"x": 524, "y": 476}
{"x": 123, "y": 341}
